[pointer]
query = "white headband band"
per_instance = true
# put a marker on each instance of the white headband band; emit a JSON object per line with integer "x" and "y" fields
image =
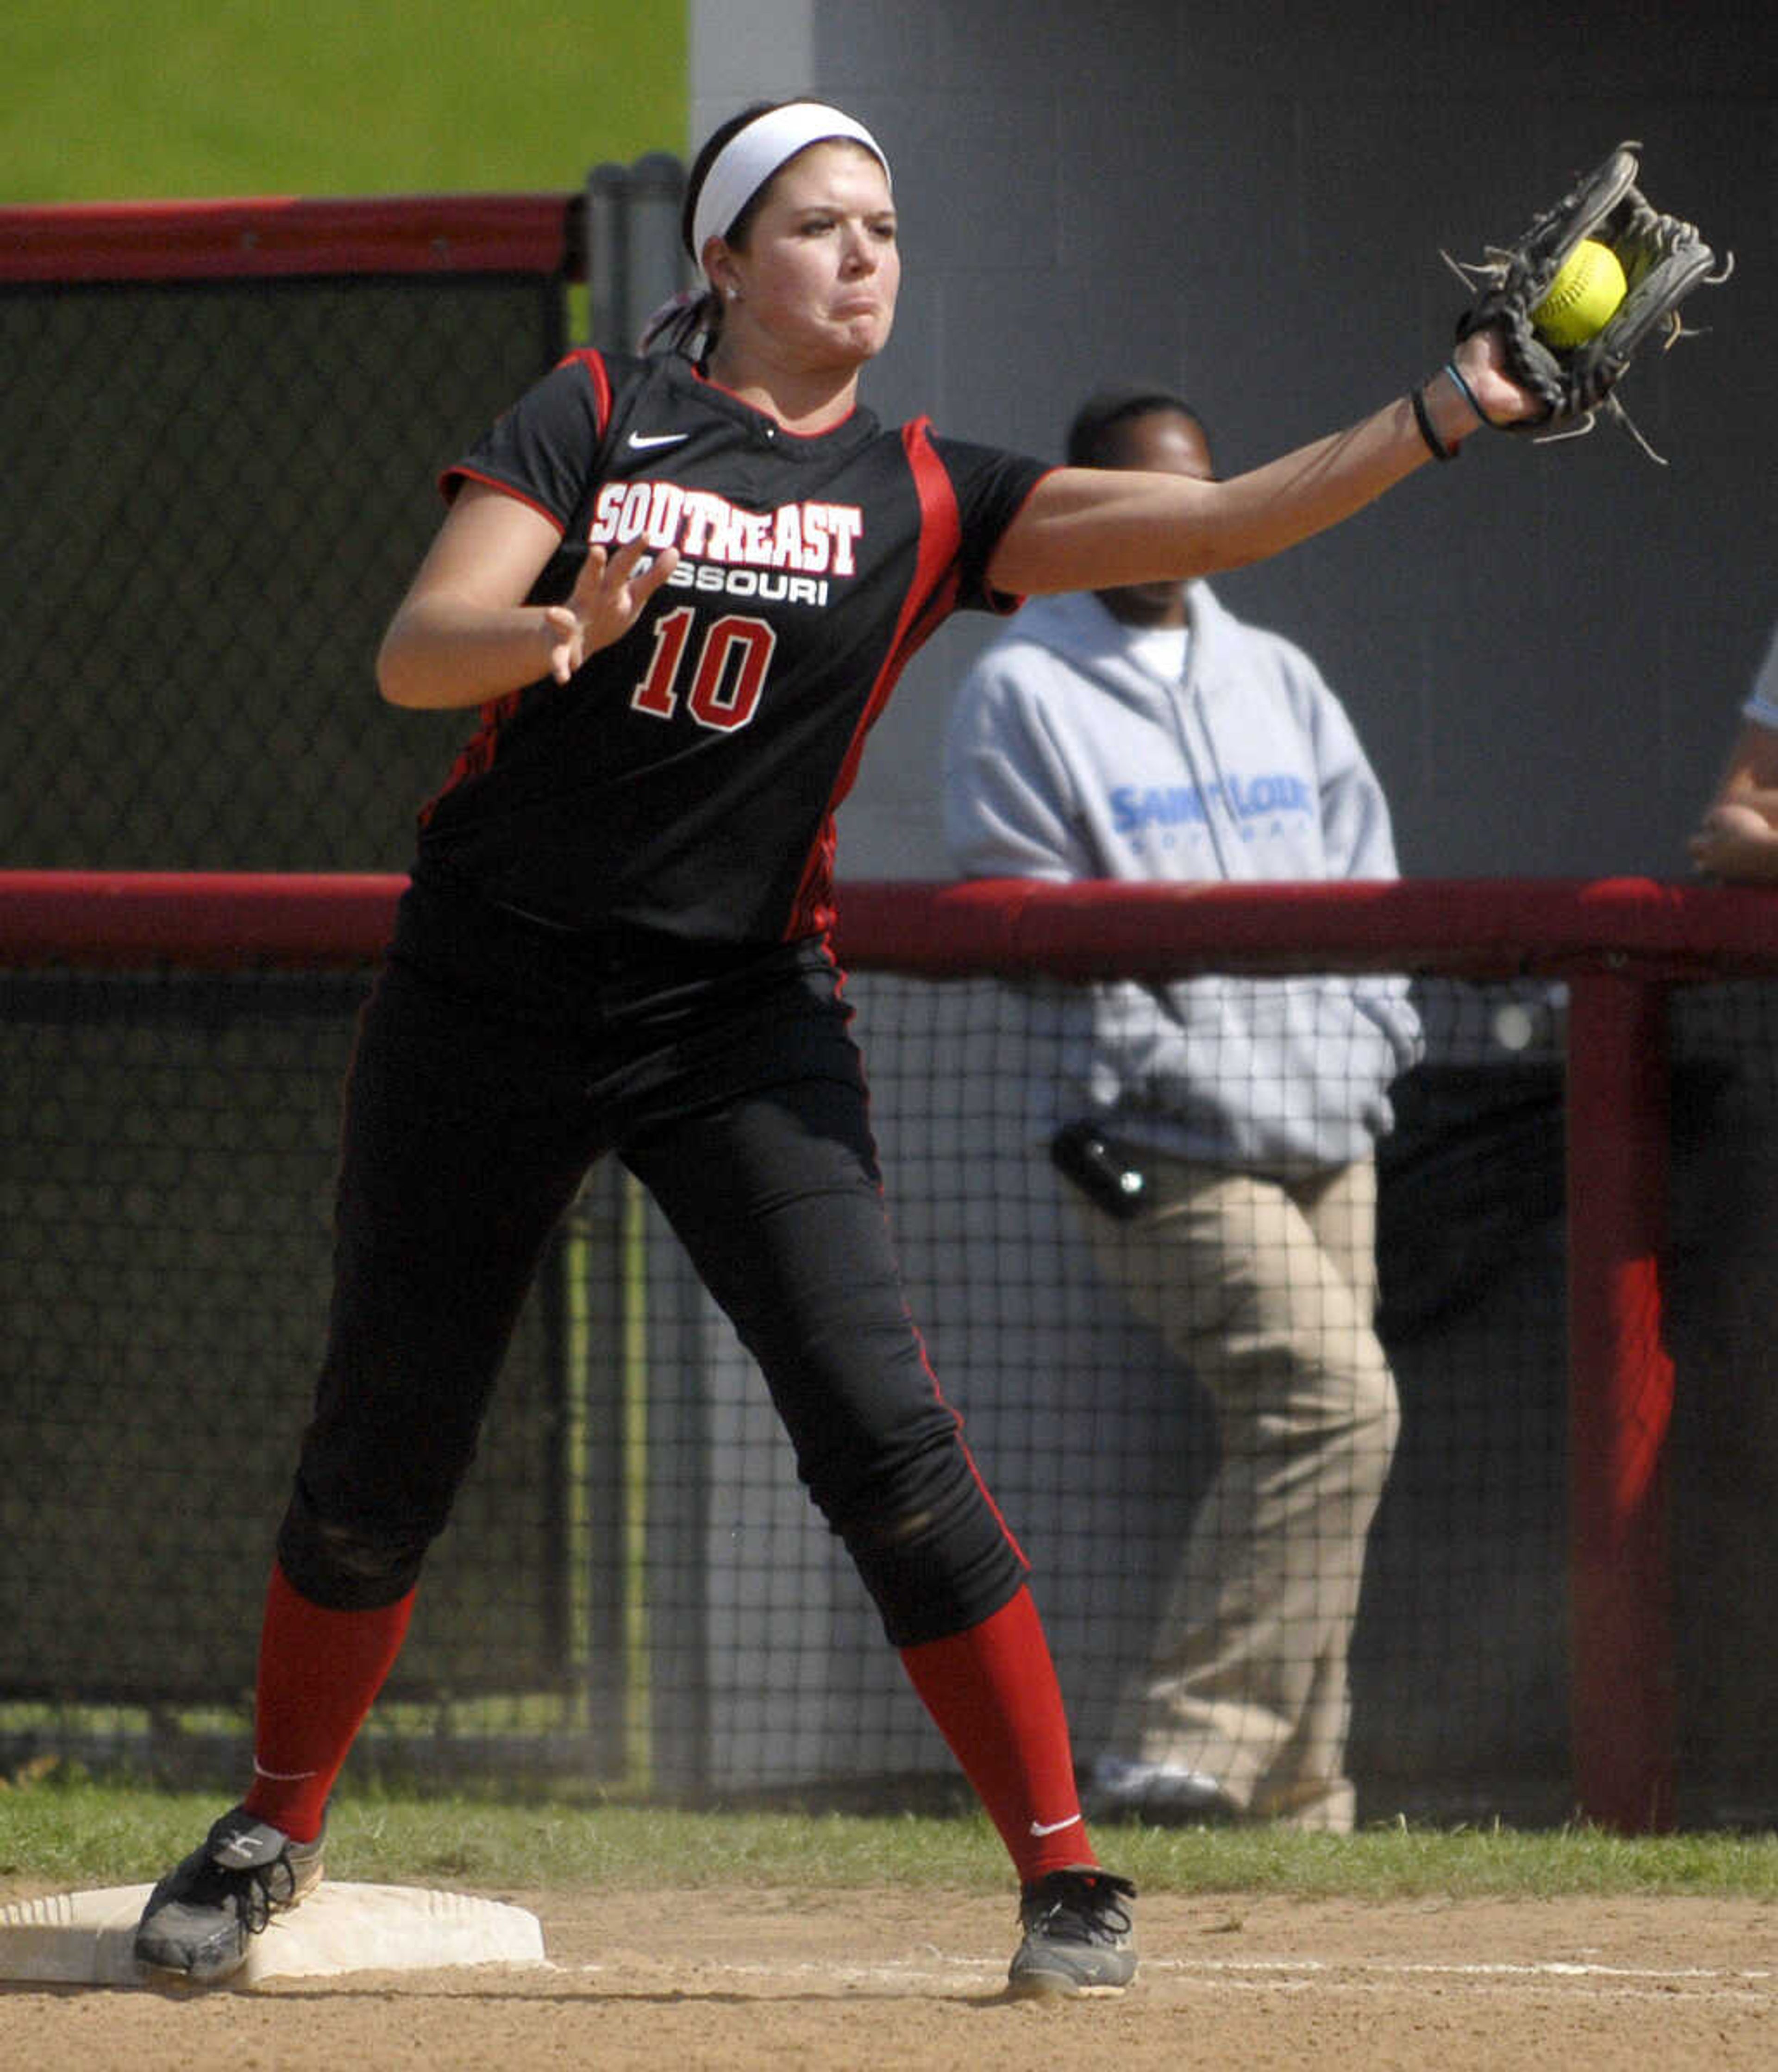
{"x": 751, "y": 155}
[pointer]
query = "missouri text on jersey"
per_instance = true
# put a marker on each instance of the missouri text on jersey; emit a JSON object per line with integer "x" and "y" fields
{"x": 784, "y": 553}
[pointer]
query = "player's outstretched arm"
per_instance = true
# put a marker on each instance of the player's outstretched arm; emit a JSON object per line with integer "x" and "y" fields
{"x": 1094, "y": 528}
{"x": 463, "y": 634}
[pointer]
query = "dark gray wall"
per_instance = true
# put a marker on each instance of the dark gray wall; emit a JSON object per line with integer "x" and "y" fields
{"x": 1542, "y": 647}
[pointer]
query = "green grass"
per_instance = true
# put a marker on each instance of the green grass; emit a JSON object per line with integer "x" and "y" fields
{"x": 129, "y": 100}
{"x": 76, "y": 1833}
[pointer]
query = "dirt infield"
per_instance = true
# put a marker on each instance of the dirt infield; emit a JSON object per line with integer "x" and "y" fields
{"x": 739, "y": 1981}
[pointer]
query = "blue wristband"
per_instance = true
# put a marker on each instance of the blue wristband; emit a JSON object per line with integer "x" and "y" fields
{"x": 1467, "y": 392}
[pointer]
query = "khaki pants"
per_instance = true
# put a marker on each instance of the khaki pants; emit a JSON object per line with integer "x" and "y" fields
{"x": 1266, "y": 1289}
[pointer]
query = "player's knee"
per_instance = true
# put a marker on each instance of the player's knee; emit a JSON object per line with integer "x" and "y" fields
{"x": 347, "y": 1565}
{"x": 934, "y": 1555}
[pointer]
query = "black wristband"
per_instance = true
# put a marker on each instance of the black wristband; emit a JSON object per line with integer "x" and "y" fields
{"x": 1434, "y": 444}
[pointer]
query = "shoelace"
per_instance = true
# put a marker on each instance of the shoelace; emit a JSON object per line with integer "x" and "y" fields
{"x": 1091, "y": 1903}
{"x": 251, "y": 1888}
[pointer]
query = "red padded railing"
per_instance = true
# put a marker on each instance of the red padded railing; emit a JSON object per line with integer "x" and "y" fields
{"x": 277, "y": 235}
{"x": 1619, "y": 943}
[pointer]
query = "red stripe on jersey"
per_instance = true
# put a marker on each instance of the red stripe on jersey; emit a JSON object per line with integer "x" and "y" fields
{"x": 453, "y": 478}
{"x": 930, "y": 597}
{"x": 592, "y": 364}
{"x": 478, "y": 753}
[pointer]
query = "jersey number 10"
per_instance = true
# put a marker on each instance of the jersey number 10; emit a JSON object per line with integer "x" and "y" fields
{"x": 726, "y": 680}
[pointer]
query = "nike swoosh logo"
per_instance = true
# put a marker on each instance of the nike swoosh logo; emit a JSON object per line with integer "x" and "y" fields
{"x": 641, "y": 441}
{"x": 1054, "y": 1827}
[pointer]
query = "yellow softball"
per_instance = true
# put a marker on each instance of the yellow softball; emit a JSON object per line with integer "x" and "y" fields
{"x": 1582, "y": 297}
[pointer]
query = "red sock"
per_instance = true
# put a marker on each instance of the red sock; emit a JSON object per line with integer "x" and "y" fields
{"x": 318, "y": 1672}
{"x": 993, "y": 1694}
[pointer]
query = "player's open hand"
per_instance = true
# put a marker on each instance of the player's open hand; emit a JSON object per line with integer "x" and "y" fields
{"x": 605, "y": 602}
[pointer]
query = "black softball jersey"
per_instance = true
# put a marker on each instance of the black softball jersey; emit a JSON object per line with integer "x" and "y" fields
{"x": 683, "y": 782}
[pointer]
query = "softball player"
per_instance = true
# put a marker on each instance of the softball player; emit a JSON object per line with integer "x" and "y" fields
{"x": 680, "y": 589}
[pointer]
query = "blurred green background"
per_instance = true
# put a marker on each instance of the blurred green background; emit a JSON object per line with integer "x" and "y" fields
{"x": 140, "y": 100}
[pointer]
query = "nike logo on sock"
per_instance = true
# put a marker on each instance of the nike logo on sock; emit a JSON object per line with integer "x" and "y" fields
{"x": 1040, "y": 1828}
{"x": 641, "y": 441}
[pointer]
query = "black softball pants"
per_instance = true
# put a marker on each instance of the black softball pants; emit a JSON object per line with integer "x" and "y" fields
{"x": 494, "y": 1063}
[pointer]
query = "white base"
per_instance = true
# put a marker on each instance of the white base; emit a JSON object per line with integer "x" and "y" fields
{"x": 84, "y": 1937}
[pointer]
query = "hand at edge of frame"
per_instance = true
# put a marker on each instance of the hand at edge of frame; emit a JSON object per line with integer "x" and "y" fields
{"x": 1735, "y": 843}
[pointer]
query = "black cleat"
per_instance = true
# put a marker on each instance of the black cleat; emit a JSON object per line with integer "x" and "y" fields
{"x": 196, "y": 1924}
{"x": 1077, "y": 1935}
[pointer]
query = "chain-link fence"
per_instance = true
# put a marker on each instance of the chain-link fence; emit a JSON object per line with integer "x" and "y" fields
{"x": 224, "y": 422}
{"x": 634, "y": 1592}
{"x": 215, "y": 495}
{"x": 223, "y": 428}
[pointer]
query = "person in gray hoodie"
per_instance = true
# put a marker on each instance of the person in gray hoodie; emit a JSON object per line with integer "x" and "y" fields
{"x": 1218, "y": 1133}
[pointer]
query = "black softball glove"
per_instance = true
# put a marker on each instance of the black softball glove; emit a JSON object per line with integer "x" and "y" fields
{"x": 1663, "y": 260}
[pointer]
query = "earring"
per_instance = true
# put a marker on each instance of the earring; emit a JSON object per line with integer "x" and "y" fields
{"x": 734, "y": 294}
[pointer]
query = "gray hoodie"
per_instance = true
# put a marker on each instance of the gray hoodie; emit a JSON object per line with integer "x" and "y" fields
{"x": 1067, "y": 757}
{"x": 1762, "y": 701}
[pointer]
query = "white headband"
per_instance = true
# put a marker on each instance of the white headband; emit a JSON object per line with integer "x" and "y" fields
{"x": 752, "y": 155}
